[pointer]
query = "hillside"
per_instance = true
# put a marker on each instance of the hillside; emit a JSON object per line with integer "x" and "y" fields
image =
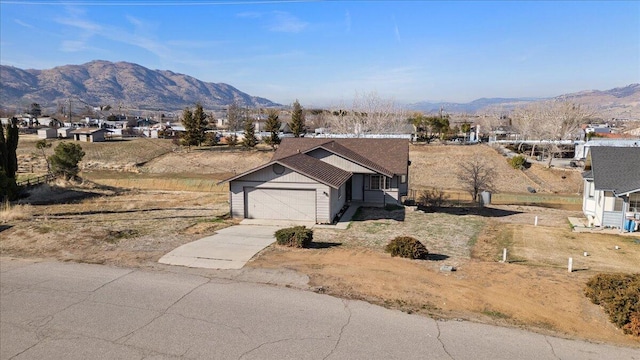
{"x": 117, "y": 84}
{"x": 620, "y": 103}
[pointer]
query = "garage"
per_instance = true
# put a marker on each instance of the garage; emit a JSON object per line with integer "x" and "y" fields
{"x": 280, "y": 204}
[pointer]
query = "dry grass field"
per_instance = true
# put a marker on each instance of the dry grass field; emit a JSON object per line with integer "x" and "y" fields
{"x": 141, "y": 199}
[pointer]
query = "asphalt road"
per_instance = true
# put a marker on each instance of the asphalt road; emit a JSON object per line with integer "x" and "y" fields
{"x": 52, "y": 310}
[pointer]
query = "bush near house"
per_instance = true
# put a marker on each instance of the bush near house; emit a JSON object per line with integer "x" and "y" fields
{"x": 297, "y": 236}
{"x": 619, "y": 295}
{"x": 407, "y": 247}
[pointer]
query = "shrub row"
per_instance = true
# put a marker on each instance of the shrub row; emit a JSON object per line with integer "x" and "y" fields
{"x": 297, "y": 236}
{"x": 407, "y": 247}
{"x": 619, "y": 295}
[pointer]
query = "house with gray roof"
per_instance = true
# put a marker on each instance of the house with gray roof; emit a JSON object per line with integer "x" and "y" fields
{"x": 611, "y": 195}
{"x": 311, "y": 179}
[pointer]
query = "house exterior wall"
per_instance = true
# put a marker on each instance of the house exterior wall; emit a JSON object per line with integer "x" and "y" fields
{"x": 267, "y": 178}
{"x": 339, "y": 162}
{"x": 357, "y": 187}
{"x": 382, "y": 196}
{"x": 612, "y": 219}
{"x": 49, "y": 133}
{"x": 338, "y": 198}
{"x": 97, "y": 136}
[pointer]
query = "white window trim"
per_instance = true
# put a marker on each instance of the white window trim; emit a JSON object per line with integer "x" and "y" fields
{"x": 381, "y": 183}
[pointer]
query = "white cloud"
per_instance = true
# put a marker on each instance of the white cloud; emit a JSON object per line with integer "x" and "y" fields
{"x": 285, "y": 22}
{"x": 396, "y": 30}
{"x": 22, "y": 23}
{"x": 347, "y": 21}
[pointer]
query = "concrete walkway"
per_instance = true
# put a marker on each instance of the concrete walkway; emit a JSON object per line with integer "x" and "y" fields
{"x": 229, "y": 248}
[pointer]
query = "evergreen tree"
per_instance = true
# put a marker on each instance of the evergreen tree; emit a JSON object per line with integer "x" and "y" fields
{"x": 250, "y": 139}
{"x": 189, "y": 125}
{"x": 200, "y": 124}
{"x": 8, "y": 145}
{"x": 297, "y": 120}
{"x": 65, "y": 159}
{"x": 273, "y": 127}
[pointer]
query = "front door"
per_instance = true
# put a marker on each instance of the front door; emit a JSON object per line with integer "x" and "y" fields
{"x": 349, "y": 189}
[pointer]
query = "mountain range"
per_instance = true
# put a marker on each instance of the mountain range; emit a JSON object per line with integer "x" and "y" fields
{"x": 123, "y": 84}
{"x": 117, "y": 84}
{"x": 621, "y": 103}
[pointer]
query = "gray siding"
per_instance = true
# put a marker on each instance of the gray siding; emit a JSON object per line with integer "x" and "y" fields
{"x": 357, "y": 187}
{"x": 339, "y": 162}
{"x": 612, "y": 218}
{"x": 337, "y": 200}
{"x": 268, "y": 174}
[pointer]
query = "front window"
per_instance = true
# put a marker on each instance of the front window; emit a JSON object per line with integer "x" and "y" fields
{"x": 634, "y": 202}
{"x": 379, "y": 182}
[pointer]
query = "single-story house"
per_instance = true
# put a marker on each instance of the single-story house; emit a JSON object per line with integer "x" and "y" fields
{"x": 89, "y": 134}
{"x": 64, "y": 132}
{"x": 611, "y": 195}
{"x": 312, "y": 179}
{"x": 47, "y": 133}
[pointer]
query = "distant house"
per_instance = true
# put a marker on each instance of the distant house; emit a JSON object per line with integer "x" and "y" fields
{"x": 47, "y": 133}
{"x": 312, "y": 179}
{"x": 64, "y": 132}
{"x": 612, "y": 186}
{"x": 90, "y": 134}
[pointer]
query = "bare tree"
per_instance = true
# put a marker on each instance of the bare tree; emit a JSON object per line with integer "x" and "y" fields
{"x": 234, "y": 116}
{"x": 476, "y": 175}
{"x": 369, "y": 114}
{"x": 551, "y": 121}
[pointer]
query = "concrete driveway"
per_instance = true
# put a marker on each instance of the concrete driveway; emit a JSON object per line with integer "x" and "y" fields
{"x": 229, "y": 248}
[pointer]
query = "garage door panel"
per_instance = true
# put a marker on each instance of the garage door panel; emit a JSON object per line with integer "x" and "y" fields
{"x": 280, "y": 204}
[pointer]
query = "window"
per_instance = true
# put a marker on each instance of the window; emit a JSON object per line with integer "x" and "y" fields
{"x": 634, "y": 202}
{"x": 591, "y": 189}
{"x": 617, "y": 205}
{"x": 403, "y": 179}
{"x": 379, "y": 182}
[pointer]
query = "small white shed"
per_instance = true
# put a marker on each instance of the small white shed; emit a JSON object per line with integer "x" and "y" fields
{"x": 47, "y": 133}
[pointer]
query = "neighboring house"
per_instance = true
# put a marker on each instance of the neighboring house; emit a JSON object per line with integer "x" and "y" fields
{"x": 612, "y": 186}
{"x": 90, "y": 134}
{"x": 47, "y": 133}
{"x": 312, "y": 179}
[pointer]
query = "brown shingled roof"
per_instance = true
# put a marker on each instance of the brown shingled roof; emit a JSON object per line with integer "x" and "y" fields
{"x": 308, "y": 166}
{"x": 386, "y": 156}
{"x": 316, "y": 169}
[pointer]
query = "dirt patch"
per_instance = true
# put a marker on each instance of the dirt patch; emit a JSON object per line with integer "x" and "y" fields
{"x": 524, "y": 292}
{"x": 125, "y": 228}
{"x": 436, "y": 166}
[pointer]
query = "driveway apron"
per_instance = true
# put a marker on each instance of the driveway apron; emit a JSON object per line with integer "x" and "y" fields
{"x": 229, "y": 248}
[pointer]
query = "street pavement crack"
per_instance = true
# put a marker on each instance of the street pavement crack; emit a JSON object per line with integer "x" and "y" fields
{"x": 275, "y": 342}
{"x": 123, "y": 339}
{"x": 553, "y": 351}
{"x": 344, "y": 326}
{"x": 440, "y": 340}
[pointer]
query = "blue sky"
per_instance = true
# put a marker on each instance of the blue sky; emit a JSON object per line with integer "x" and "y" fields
{"x": 326, "y": 52}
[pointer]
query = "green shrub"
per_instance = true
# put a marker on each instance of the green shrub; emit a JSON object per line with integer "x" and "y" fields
{"x": 619, "y": 295}
{"x": 518, "y": 162}
{"x": 297, "y": 236}
{"x": 407, "y": 247}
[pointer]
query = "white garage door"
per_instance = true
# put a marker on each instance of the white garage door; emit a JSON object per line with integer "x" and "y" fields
{"x": 280, "y": 204}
